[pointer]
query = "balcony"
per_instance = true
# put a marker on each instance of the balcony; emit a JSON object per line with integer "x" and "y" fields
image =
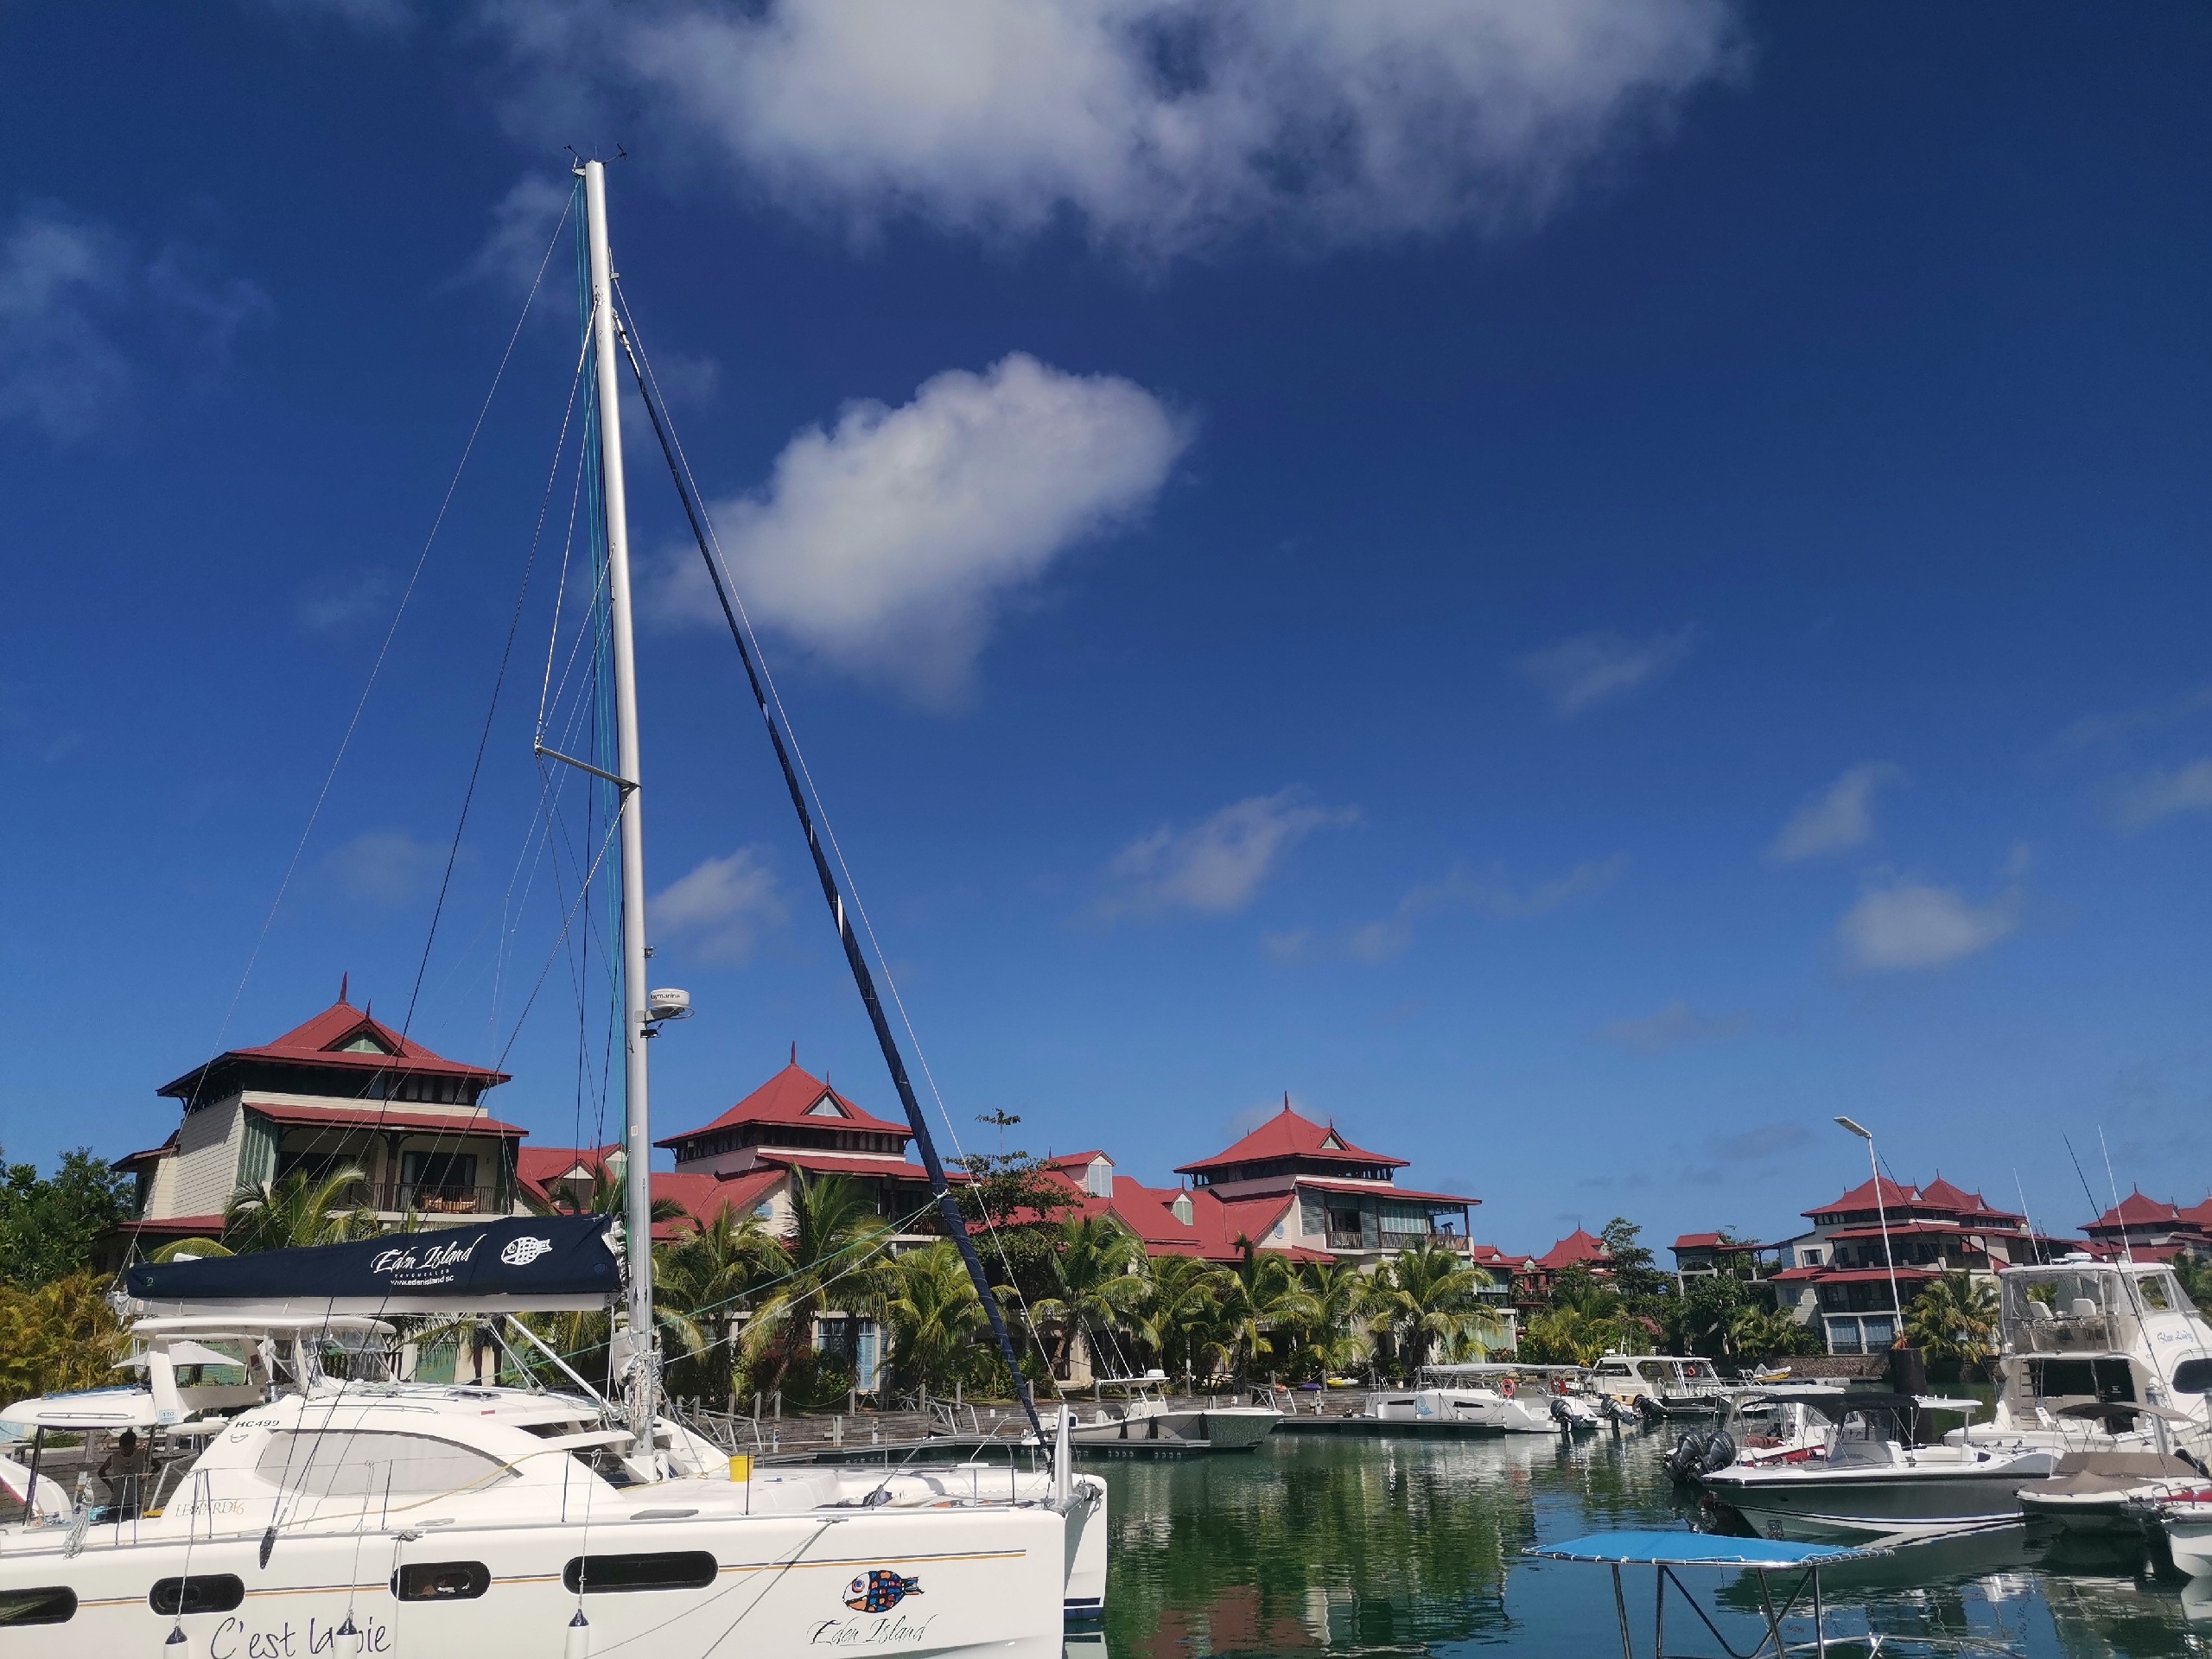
{"x": 1393, "y": 1242}
{"x": 428, "y": 1199}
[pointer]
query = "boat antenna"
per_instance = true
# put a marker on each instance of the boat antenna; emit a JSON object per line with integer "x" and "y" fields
{"x": 2035, "y": 1250}
{"x": 856, "y": 958}
{"x": 2127, "y": 1255}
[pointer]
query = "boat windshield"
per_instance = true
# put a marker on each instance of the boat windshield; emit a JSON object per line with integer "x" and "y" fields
{"x": 2052, "y": 1310}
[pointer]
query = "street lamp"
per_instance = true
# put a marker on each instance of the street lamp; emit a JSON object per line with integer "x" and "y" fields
{"x": 1881, "y": 1210}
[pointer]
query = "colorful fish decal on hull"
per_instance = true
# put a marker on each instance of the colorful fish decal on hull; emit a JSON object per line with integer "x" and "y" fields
{"x": 879, "y": 1590}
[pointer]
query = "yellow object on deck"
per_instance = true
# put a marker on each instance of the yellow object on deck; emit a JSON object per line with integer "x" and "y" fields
{"x": 740, "y": 1469}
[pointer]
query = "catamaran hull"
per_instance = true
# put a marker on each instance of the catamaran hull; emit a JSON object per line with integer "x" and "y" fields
{"x": 991, "y": 1583}
{"x": 1818, "y": 1503}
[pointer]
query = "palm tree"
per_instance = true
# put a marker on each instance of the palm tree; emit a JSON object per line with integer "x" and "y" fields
{"x": 1430, "y": 1303}
{"x": 1333, "y": 1337}
{"x": 1759, "y": 1331}
{"x": 933, "y": 1312}
{"x": 1955, "y": 1318}
{"x": 699, "y": 1280}
{"x": 1098, "y": 1270}
{"x": 1568, "y": 1336}
{"x": 832, "y": 1262}
{"x": 1180, "y": 1320}
{"x": 1259, "y": 1297}
{"x": 298, "y": 1212}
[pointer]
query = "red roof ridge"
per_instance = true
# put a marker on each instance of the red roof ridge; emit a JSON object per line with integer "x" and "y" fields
{"x": 789, "y": 1097}
{"x": 1288, "y": 1135}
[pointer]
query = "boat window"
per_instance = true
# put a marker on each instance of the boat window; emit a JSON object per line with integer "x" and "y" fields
{"x": 203, "y": 1592}
{"x": 359, "y": 1462}
{"x": 1652, "y": 1370}
{"x": 55, "y": 1604}
{"x": 441, "y": 1581}
{"x": 676, "y": 1569}
{"x": 2096, "y": 1379}
{"x": 2153, "y": 1287}
{"x": 2193, "y": 1377}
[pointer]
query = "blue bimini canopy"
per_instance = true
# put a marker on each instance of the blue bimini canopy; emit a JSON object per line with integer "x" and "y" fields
{"x": 1694, "y": 1549}
{"x": 518, "y": 1265}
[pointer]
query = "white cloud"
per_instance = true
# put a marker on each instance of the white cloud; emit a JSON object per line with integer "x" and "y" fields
{"x": 386, "y": 867}
{"x": 70, "y": 290}
{"x": 1492, "y": 894}
{"x": 1216, "y": 865}
{"x": 58, "y": 367}
{"x": 1840, "y": 817}
{"x": 1163, "y": 126}
{"x": 722, "y": 907}
{"x": 1675, "y": 1025}
{"x": 2188, "y": 789}
{"x": 888, "y": 544}
{"x": 522, "y": 226}
{"x": 1578, "y": 674}
{"x": 1908, "y": 925}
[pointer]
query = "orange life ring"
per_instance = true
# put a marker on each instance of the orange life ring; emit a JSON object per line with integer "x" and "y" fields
{"x": 1506, "y": 1387}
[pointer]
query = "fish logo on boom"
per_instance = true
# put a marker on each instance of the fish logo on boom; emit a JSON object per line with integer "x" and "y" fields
{"x": 879, "y": 1590}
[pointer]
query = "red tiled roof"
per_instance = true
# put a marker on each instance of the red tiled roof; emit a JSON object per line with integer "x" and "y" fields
{"x": 1073, "y": 1160}
{"x": 1697, "y": 1241}
{"x": 1861, "y": 1196}
{"x": 1867, "y": 1275}
{"x": 2136, "y": 1210}
{"x": 1941, "y": 1192}
{"x": 833, "y": 1163}
{"x": 788, "y": 1097}
{"x": 2200, "y": 1213}
{"x": 367, "y": 1116}
{"x": 1382, "y": 1190}
{"x": 1489, "y": 1256}
{"x": 705, "y": 1196}
{"x": 321, "y": 1041}
{"x": 183, "y": 1226}
{"x": 1287, "y": 1136}
{"x": 1579, "y": 1245}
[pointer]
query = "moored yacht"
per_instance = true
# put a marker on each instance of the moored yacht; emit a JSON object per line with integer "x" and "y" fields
{"x": 1506, "y": 1398}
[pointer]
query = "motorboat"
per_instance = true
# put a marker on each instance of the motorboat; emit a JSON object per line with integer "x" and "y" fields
{"x": 1660, "y": 1385}
{"x": 2186, "y": 1519}
{"x": 1877, "y": 1474}
{"x": 2102, "y": 1356}
{"x": 359, "y": 1513}
{"x": 2109, "y": 1492}
{"x": 1508, "y": 1399}
{"x": 1760, "y": 1428}
{"x": 1147, "y": 1422}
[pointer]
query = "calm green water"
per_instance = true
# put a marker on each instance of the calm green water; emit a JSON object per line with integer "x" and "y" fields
{"x": 1319, "y": 1545}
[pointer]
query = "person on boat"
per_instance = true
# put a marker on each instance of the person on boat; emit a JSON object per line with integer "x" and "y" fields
{"x": 125, "y": 1469}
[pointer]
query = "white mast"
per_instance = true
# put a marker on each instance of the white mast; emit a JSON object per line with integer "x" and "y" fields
{"x": 637, "y": 1136}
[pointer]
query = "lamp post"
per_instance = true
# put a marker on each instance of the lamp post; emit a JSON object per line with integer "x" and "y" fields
{"x": 1881, "y": 1210}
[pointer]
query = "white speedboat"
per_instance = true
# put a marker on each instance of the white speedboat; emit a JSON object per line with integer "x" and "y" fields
{"x": 2186, "y": 1516}
{"x": 2108, "y": 1492}
{"x": 1660, "y": 1385}
{"x": 1507, "y": 1399}
{"x": 358, "y": 1516}
{"x": 1876, "y": 1473}
{"x": 1761, "y": 1428}
{"x": 1146, "y": 1421}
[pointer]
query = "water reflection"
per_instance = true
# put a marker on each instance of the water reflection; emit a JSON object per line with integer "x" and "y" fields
{"x": 1324, "y": 1546}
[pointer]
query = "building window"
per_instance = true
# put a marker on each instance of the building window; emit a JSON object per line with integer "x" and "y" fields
{"x": 1098, "y": 1179}
{"x": 1808, "y": 1258}
{"x": 1182, "y": 1208}
{"x": 438, "y": 1178}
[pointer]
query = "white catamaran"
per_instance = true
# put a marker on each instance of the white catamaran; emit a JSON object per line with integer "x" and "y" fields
{"x": 364, "y": 1515}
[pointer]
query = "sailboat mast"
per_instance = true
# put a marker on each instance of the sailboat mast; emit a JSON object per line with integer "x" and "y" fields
{"x": 636, "y": 1133}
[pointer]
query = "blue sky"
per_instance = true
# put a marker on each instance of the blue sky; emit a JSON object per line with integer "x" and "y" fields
{"x": 1580, "y": 588}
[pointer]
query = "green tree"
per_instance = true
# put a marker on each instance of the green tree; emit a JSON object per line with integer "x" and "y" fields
{"x": 61, "y": 1335}
{"x": 2195, "y": 1273}
{"x": 1570, "y": 1336}
{"x": 1258, "y": 1297}
{"x": 1428, "y": 1304}
{"x": 1759, "y": 1331}
{"x": 1334, "y": 1338}
{"x": 1180, "y": 1322}
{"x": 1642, "y": 1285}
{"x": 833, "y": 1262}
{"x": 293, "y": 1213}
{"x": 49, "y": 1224}
{"x": 703, "y": 1280}
{"x": 1954, "y": 1318}
{"x": 1702, "y": 1321}
{"x": 1098, "y": 1275}
{"x": 935, "y": 1319}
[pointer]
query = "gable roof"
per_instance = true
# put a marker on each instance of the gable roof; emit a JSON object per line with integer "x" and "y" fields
{"x": 791, "y": 1097}
{"x": 1861, "y": 1196}
{"x": 1578, "y": 1246}
{"x": 2136, "y": 1210}
{"x": 1287, "y": 1135}
{"x": 324, "y": 1041}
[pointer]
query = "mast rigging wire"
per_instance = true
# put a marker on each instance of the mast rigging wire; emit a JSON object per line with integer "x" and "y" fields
{"x": 856, "y": 958}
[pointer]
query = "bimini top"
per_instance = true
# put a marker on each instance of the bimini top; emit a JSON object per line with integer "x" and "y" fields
{"x": 523, "y": 1264}
{"x": 1695, "y": 1549}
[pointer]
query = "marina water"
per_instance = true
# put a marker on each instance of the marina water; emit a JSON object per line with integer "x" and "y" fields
{"x": 1325, "y": 1545}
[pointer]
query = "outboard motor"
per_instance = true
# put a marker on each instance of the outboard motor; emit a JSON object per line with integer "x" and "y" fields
{"x": 1648, "y": 1409}
{"x": 1561, "y": 1415}
{"x": 1686, "y": 1460}
{"x": 1719, "y": 1452}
